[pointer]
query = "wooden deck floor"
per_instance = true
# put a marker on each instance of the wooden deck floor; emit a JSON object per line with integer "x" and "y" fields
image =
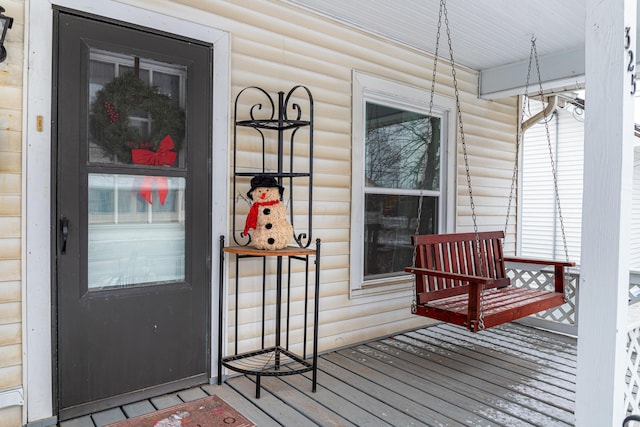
{"x": 438, "y": 376}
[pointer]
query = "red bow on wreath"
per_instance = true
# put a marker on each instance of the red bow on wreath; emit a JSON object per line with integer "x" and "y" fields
{"x": 163, "y": 156}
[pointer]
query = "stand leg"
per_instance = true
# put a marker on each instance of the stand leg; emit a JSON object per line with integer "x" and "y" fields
{"x": 316, "y": 310}
{"x": 258, "y": 386}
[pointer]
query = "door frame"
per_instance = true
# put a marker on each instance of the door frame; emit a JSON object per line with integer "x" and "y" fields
{"x": 38, "y": 268}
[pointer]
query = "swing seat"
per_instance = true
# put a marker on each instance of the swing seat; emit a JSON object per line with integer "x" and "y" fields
{"x": 450, "y": 286}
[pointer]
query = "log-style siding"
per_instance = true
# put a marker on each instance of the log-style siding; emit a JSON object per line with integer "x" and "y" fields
{"x": 276, "y": 46}
{"x": 11, "y": 321}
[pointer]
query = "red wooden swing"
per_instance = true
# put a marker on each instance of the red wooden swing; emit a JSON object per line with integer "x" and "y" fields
{"x": 461, "y": 278}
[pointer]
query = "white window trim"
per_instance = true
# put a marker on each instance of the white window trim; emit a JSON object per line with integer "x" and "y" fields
{"x": 38, "y": 375}
{"x": 367, "y": 87}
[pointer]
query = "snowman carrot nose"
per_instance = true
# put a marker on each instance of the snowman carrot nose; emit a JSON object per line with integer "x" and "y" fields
{"x": 263, "y": 195}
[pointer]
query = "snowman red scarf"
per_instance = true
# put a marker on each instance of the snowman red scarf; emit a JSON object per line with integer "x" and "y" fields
{"x": 252, "y": 217}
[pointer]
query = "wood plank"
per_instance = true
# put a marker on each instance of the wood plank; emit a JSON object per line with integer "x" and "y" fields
{"x": 339, "y": 402}
{"x": 448, "y": 402}
{"x": 138, "y": 408}
{"x": 165, "y": 401}
{"x": 437, "y": 376}
{"x": 491, "y": 397}
{"x": 84, "y": 421}
{"x": 109, "y": 416}
{"x": 423, "y": 395}
{"x": 242, "y": 404}
{"x": 524, "y": 402}
{"x": 523, "y": 356}
{"x": 523, "y": 337}
{"x": 191, "y": 394}
{"x": 483, "y": 368}
{"x": 370, "y": 394}
{"x": 544, "y": 380}
{"x": 520, "y": 346}
{"x": 527, "y": 369}
{"x": 269, "y": 403}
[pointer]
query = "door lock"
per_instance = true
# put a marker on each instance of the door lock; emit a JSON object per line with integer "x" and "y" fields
{"x": 64, "y": 229}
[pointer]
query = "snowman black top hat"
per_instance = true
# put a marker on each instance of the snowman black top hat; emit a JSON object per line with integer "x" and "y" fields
{"x": 264, "y": 181}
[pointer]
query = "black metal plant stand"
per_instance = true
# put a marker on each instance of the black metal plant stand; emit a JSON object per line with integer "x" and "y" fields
{"x": 266, "y": 128}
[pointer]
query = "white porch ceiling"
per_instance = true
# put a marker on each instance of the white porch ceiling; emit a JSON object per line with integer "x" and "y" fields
{"x": 489, "y": 36}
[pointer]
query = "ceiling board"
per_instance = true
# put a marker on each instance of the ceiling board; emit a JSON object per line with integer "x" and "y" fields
{"x": 485, "y": 33}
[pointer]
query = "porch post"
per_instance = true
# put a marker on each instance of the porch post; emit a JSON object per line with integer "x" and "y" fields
{"x": 606, "y": 211}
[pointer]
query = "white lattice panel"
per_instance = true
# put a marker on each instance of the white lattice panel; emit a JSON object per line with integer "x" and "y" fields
{"x": 523, "y": 277}
{"x": 632, "y": 379}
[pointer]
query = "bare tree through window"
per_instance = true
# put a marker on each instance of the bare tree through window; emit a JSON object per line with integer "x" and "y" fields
{"x": 402, "y": 159}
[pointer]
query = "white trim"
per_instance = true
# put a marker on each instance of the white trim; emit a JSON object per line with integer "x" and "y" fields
{"x": 37, "y": 170}
{"x": 606, "y": 214}
{"x": 11, "y": 398}
{"x": 560, "y": 72}
{"x": 366, "y": 87}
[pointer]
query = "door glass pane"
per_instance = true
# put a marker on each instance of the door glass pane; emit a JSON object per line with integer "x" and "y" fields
{"x": 136, "y": 111}
{"x": 136, "y": 230}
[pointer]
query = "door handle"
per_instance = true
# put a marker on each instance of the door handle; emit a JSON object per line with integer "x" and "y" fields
{"x": 64, "y": 229}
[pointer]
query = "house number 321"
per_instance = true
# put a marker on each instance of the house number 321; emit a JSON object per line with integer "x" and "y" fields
{"x": 631, "y": 66}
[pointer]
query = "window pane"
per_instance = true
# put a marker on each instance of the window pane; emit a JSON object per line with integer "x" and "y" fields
{"x": 390, "y": 221}
{"x": 168, "y": 84}
{"x": 101, "y": 74}
{"x": 397, "y": 142}
{"x": 136, "y": 230}
{"x": 130, "y": 116}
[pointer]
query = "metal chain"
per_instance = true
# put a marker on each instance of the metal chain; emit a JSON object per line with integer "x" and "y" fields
{"x": 525, "y": 106}
{"x": 520, "y": 136}
{"x": 553, "y": 165}
{"x": 534, "y": 55}
{"x": 414, "y": 303}
{"x": 466, "y": 163}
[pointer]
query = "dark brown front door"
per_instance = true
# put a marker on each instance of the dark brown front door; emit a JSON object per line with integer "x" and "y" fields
{"x": 132, "y": 239}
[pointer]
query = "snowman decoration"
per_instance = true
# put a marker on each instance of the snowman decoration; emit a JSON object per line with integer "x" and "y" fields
{"x": 267, "y": 216}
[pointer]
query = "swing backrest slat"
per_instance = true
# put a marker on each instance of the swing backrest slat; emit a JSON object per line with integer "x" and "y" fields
{"x": 458, "y": 253}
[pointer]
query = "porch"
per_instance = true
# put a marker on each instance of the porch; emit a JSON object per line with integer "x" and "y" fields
{"x": 512, "y": 375}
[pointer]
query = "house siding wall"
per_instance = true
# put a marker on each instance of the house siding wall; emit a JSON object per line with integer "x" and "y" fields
{"x": 540, "y": 220}
{"x": 11, "y": 90}
{"x": 276, "y": 46}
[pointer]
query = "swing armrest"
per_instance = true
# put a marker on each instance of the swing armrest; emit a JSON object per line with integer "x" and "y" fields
{"x": 558, "y": 269}
{"x": 458, "y": 284}
{"x": 540, "y": 261}
{"x": 453, "y": 276}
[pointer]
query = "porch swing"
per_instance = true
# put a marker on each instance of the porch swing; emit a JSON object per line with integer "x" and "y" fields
{"x": 461, "y": 278}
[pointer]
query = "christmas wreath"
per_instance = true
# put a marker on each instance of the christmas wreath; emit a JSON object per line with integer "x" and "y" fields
{"x": 128, "y": 95}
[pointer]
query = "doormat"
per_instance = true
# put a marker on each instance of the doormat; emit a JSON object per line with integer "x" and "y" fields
{"x": 209, "y": 411}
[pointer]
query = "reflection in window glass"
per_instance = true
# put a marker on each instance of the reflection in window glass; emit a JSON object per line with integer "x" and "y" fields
{"x": 401, "y": 159}
{"x": 396, "y": 146}
{"x": 169, "y": 84}
{"x": 390, "y": 221}
{"x": 136, "y": 231}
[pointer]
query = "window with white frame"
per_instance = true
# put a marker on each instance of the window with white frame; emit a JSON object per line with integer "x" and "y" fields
{"x": 399, "y": 157}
